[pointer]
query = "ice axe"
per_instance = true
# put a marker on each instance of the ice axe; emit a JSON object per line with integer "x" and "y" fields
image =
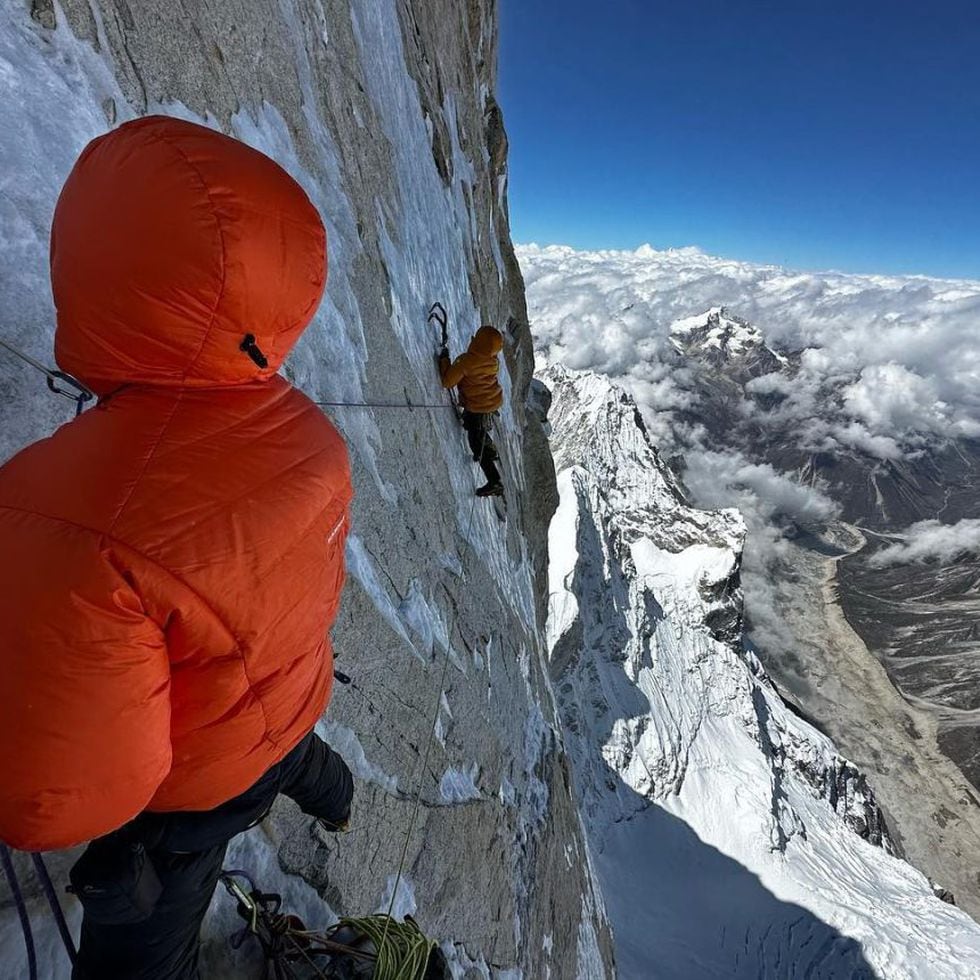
{"x": 438, "y": 315}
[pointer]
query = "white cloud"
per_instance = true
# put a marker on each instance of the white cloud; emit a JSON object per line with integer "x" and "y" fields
{"x": 762, "y": 493}
{"x": 858, "y": 436}
{"x": 931, "y": 540}
{"x": 887, "y": 361}
{"x": 771, "y": 384}
{"x": 890, "y": 398}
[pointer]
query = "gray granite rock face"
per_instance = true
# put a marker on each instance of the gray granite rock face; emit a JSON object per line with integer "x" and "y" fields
{"x": 497, "y": 865}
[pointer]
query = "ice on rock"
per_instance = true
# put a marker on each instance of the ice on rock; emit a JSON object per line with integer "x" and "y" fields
{"x": 459, "y": 785}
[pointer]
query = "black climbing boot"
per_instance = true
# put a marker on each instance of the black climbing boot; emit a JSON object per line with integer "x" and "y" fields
{"x": 494, "y": 489}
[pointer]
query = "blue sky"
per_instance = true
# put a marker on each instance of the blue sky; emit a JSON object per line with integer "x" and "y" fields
{"x": 839, "y": 135}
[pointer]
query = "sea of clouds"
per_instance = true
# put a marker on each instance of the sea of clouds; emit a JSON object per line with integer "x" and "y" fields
{"x": 888, "y": 362}
{"x": 888, "y": 365}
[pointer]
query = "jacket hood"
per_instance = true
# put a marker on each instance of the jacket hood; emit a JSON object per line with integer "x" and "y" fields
{"x": 487, "y": 341}
{"x": 171, "y": 245}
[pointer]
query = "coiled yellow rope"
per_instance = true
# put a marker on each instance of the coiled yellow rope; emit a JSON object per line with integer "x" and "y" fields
{"x": 401, "y": 949}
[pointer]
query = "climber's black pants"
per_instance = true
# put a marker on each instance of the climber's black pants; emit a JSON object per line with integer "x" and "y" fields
{"x": 166, "y": 944}
{"x": 481, "y": 443}
{"x": 186, "y": 851}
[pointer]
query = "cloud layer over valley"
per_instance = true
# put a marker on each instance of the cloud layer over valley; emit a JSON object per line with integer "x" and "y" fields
{"x": 796, "y": 397}
{"x": 884, "y": 364}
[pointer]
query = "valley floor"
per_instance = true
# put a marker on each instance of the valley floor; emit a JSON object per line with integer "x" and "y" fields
{"x": 933, "y": 812}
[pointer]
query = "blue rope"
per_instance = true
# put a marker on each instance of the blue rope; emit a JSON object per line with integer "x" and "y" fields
{"x": 56, "y": 909}
{"x": 25, "y": 922}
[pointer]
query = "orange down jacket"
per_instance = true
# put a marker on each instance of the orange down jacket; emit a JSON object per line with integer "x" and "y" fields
{"x": 172, "y": 560}
{"x": 475, "y": 372}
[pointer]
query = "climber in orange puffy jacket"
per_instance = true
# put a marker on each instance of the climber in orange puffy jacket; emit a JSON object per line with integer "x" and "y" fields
{"x": 173, "y": 558}
{"x": 475, "y": 375}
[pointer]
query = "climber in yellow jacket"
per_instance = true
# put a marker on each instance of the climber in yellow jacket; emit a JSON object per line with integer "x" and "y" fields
{"x": 474, "y": 374}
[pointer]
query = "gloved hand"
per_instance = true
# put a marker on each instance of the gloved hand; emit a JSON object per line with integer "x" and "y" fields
{"x": 321, "y": 783}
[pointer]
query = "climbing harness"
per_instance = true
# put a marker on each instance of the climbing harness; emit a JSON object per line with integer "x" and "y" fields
{"x": 20, "y": 904}
{"x": 56, "y": 379}
{"x": 352, "y": 948}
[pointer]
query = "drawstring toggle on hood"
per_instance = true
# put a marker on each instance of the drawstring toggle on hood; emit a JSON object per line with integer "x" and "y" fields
{"x": 250, "y": 347}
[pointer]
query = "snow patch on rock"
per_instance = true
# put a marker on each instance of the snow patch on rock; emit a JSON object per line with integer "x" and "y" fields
{"x": 459, "y": 785}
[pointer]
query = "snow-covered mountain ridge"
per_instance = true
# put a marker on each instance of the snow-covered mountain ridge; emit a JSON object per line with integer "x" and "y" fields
{"x": 693, "y": 774}
{"x": 718, "y": 329}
